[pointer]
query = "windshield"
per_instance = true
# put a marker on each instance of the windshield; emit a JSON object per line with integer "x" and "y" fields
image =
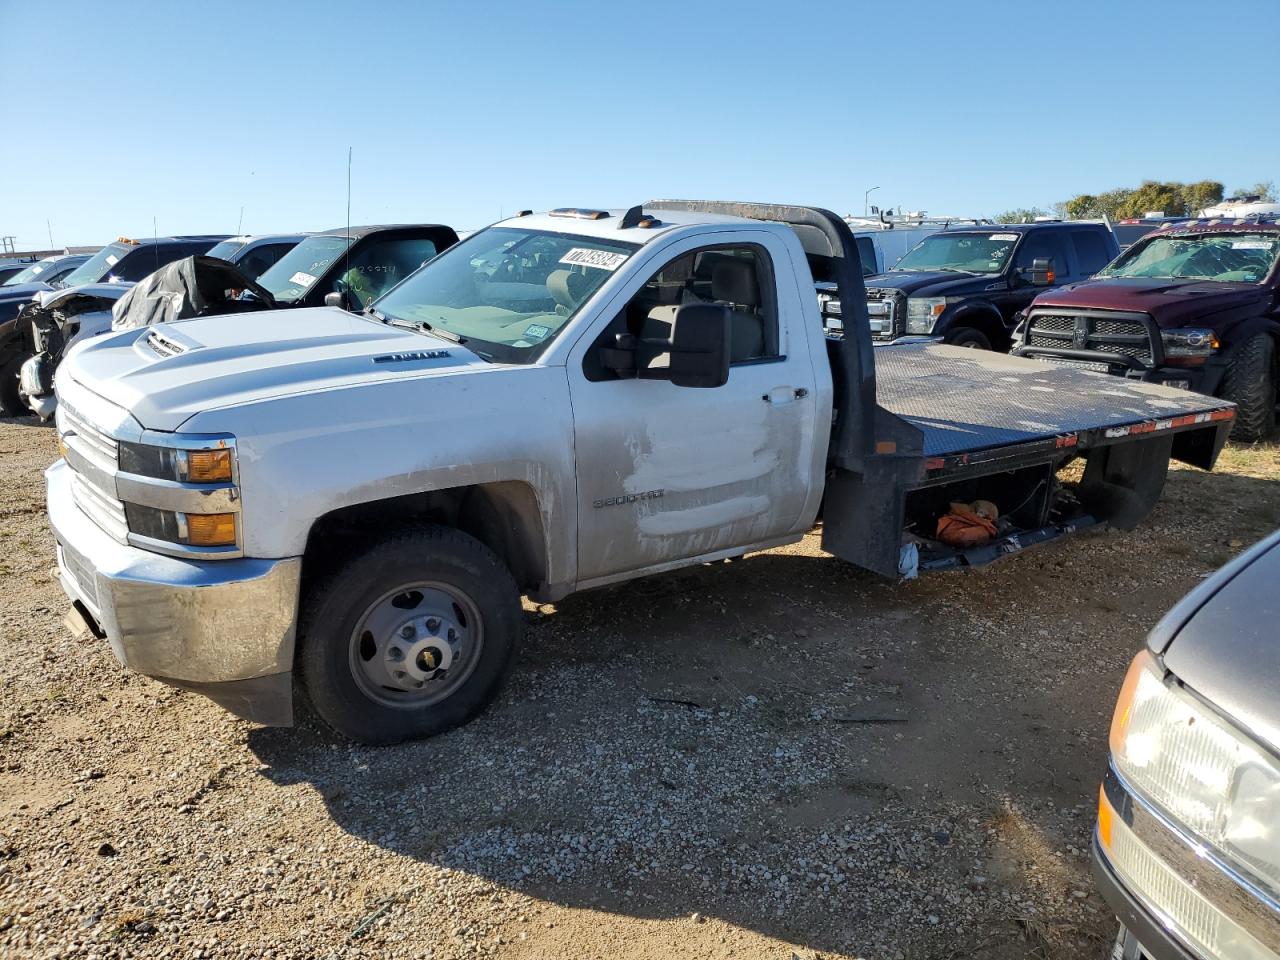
{"x": 98, "y": 267}
{"x": 33, "y": 274}
{"x": 227, "y": 249}
{"x": 960, "y": 252}
{"x": 507, "y": 292}
{"x": 290, "y": 277}
{"x": 1240, "y": 257}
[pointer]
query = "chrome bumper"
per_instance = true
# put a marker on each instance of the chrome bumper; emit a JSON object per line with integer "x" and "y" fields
{"x": 1175, "y": 898}
{"x": 222, "y": 627}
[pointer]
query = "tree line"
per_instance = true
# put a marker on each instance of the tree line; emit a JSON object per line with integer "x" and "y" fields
{"x": 1173, "y": 198}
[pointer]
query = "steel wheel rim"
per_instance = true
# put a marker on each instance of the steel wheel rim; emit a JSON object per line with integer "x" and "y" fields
{"x": 415, "y": 645}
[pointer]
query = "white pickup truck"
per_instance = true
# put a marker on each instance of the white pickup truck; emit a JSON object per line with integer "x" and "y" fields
{"x": 349, "y": 506}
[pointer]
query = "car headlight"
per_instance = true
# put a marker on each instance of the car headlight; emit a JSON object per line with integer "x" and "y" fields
{"x": 1188, "y": 346}
{"x": 183, "y": 466}
{"x": 172, "y": 494}
{"x": 923, "y": 313}
{"x": 1206, "y": 774}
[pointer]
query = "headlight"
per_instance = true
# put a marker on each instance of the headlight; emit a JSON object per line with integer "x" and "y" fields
{"x": 1206, "y": 774}
{"x": 181, "y": 495}
{"x": 923, "y": 313}
{"x": 183, "y": 466}
{"x": 1188, "y": 346}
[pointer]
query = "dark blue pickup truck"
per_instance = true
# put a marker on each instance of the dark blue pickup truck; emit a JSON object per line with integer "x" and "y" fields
{"x": 968, "y": 285}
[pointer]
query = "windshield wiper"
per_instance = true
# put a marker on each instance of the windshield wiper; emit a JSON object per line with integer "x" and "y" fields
{"x": 419, "y": 326}
{"x": 376, "y": 314}
{"x": 951, "y": 270}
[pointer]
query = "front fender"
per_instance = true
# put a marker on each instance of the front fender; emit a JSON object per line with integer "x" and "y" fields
{"x": 305, "y": 456}
{"x": 1248, "y": 328}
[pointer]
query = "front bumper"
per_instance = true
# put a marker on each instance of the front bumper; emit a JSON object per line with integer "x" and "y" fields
{"x": 1176, "y": 900}
{"x": 224, "y": 628}
{"x": 1203, "y": 379}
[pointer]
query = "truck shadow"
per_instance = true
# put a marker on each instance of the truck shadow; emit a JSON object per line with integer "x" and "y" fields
{"x": 786, "y": 743}
{"x": 680, "y": 745}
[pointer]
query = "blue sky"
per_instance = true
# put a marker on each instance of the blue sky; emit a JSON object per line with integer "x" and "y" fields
{"x": 458, "y": 113}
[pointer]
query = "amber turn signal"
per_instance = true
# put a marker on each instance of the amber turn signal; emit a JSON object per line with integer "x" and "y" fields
{"x": 211, "y": 529}
{"x": 209, "y": 466}
{"x": 1106, "y": 817}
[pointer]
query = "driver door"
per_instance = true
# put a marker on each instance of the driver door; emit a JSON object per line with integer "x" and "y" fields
{"x": 667, "y": 474}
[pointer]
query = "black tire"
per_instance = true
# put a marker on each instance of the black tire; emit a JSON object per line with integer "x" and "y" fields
{"x": 968, "y": 337}
{"x": 1250, "y": 383}
{"x": 335, "y": 606}
{"x": 11, "y": 404}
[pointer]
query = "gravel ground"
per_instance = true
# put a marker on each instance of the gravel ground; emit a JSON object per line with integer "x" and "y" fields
{"x": 773, "y": 757}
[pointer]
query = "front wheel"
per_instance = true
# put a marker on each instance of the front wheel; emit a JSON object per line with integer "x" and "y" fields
{"x": 1250, "y": 383}
{"x": 409, "y": 638}
{"x": 11, "y": 404}
{"x": 968, "y": 337}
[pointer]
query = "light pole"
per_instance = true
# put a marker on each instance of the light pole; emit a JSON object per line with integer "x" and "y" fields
{"x": 865, "y": 195}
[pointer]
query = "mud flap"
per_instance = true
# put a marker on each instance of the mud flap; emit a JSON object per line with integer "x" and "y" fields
{"x": 864, "y": 511}
{"x": 1123, "y": 482}
{"x": 1200, "y": 448}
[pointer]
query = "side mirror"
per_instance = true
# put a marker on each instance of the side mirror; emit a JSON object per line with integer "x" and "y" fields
{"x": 342, "y": 299}
{"x": 700, "y": 346}
{"x": 1041, "y": 272}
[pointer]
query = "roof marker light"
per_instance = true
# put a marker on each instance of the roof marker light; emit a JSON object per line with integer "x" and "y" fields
{"x": 579, "y": 213}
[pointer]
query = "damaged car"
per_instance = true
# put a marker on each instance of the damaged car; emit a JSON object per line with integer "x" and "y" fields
{"x": 1194, "y": 305}
{"x": 95, "y": 284}
{"x": 338, "y": 268}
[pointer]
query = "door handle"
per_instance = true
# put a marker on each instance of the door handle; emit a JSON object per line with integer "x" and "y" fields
{"x": 780, "y": 395}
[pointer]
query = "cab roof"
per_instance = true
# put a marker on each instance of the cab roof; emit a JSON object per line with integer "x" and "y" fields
{"x": 608, "y": 223}
{"x": 357, "y": 232}
{"x": 1254, "y": 224}
{"x": 1021, "y": 227}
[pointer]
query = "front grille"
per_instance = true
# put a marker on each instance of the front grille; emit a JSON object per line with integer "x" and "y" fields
{"x": 93, "y": 458}
{"x": 1120, "y": 336}
{"x": 73, "y": 424}
{"x": 887, "y": 324}
{"x": 81, "y": 572}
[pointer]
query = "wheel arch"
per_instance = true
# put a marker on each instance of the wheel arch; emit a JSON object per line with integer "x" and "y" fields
{"x": 504, "y": 515}
{"x": 1247, "y": 329}
{"x": 981, "y": 316}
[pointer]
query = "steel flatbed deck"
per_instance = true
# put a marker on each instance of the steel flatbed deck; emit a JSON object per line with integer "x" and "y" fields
{"x": 980, "y": 412}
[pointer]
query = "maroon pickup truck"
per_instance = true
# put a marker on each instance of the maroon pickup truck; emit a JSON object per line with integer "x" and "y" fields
{"x": 1193, "y": 305}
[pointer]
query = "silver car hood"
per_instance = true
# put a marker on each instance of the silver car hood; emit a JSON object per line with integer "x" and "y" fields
{"x": 1225, "y": 642}
{"x": 167, "y": 373}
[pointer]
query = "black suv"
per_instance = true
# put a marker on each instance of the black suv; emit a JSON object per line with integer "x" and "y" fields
{"x": 968, "y": 285}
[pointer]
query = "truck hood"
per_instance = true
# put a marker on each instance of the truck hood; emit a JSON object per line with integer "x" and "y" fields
{"x": 1171, "y": 303}
{"x": 167, "y": 373}
{"x": 23, "y": 291}
{"x": 1223, "y": 641}
{"x": 934, "y": 283}
{"x": 110, "y": 292}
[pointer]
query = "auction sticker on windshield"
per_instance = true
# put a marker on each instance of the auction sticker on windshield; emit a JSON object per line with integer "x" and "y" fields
{"x": 1251, "y": 245}
{"x": 600, "y": 259}
{"x": 302, "y": 279}
{"x": 1003, "y": 236}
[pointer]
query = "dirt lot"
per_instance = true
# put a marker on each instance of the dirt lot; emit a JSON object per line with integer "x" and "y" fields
{"x": 757, "y": 759}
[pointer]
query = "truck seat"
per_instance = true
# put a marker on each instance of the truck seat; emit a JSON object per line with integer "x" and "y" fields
{"x": 733, "y": 283}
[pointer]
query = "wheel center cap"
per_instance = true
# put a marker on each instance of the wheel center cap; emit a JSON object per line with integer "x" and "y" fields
{"x": 419, "y": 650}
